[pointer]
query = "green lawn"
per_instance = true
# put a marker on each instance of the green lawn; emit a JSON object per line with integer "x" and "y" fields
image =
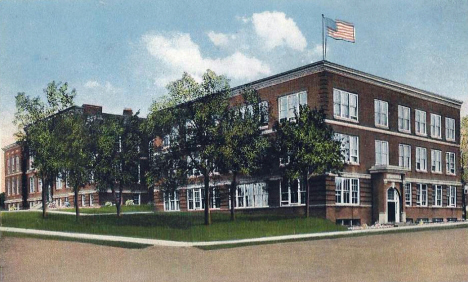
{"x": 173, "y": 226}
{"x": 112, "y": 209}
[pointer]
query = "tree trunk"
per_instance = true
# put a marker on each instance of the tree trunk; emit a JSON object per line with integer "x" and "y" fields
{"x": 119, "y": 204}
{"x": 77, "y": 209}
{"x": 233, "y": 193}
{"x": 307, "y": 207}
{"x": 206, "y": 179}
{"x": 44, "y": 194}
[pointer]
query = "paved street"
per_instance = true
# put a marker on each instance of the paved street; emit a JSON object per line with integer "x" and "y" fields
{"x": 419, "y": 256}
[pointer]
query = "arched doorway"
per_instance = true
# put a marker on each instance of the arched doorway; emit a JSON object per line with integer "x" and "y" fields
{"x": 393, "y": 205}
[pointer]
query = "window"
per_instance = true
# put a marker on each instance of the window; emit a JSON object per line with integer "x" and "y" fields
{"x": 381, "y": 113}
{"x": 437, "y": 195}
{"x": 8, "y": 166}
{"x": 15, "y": 186}
{"x": 83, "y": 200}
{"x": 421, "y": 196}
{"x": 194, "y": 172}
{"x": 31, "y": 184}
{"x": 17, "y": 164}
{"x": 450, "y": 129}
{"x": 345, "y": 105}
{"x": 436, "y": 161}
{"x": 408, "y": 194}
{"x": 171, "y": 137}
{"x": 171, "y": 201}
{"x": 58, "y": 182}
{"x": 349, "y": 147}
{"x": 347, "y": 191}
{"x": 292, "y": 192}
{"x": 67, "y": 180}
{"x": 196, "y": 199}
{"x": 404, "y": 119}
{"x": 404, "y": 159}
{"x": 39, "y": 185}
{"x": 436, "y": 126}
{"x": 421, "y": 159}
{"x": 288, "y": 105}
{"x": 381, "y": 152}
{"x": 451, "y": 196}
{"x": 420, "y": 122}
{"x": 264, "y": 112}
{"x": 90, "y": 200}
{"x": 450, "y": 163}
{"x": 252, "y": 195}
{"x": 8, "y": 186}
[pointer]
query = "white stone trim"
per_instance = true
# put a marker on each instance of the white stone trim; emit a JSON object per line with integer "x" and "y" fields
{"x": 351, "y": 175}
{"x": 433, "y": 181}
{"x": 377, "y": 130}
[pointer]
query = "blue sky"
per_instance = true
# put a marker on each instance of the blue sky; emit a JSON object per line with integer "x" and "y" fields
{"x": 122, "y": 53}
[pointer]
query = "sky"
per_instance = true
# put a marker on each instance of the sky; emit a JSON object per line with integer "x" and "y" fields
{"x": 120, "y": 54}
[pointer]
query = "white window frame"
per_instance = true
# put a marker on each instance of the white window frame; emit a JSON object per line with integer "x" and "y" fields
{"x": 449, "y": 129}
{"x": 248, "y": 195}
{"x": 347, "y": 191}
{"x": 404, "y": 119}
{"x": 349, "y": 147}
{"x": 420, "y": 123}
{"x": 17, "y": 164}
{"x": 171, "y": 201}
{"x": 421, "y": 196}
{"x": 83, "y": 200}
{"x": 201, "y": 200}
{"x": 436, "y": 126}
{"x": 345, "y": 105}
{"x": 91, "y": 199}
{"x": 8, "y": 165}
{"x": 58, "y": 182}
{"x": 450, "y": 168}
{"x": 31, "y": 184}
{"x": 39, "y": 185}
{"x": 421, "y": 159}
{"x": 408, "y": 194}
{"x": 288, "y": 104}
{"x": 31, "y": 162}
{"x": 404, "y": 156}
{"x": 381, "y": 152}
{"x": 380, "y": 113}
{"x": 451, "y": 196}
{"x": 436, "y": 161}
{"x": 300, "y": 194}
{"x": 9, "y": 184}
{"x": 437, "y": 195}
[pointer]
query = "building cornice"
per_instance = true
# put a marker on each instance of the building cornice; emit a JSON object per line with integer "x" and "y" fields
{"x": 12, "y": 145}
{"x": 351, "y": 73}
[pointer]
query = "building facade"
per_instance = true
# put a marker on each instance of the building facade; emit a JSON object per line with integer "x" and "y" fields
{"x": 401, "y": 145}
{"x": 23, "y": 188}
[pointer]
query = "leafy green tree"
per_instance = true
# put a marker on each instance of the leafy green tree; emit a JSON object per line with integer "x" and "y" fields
{"x": 36, "y": 130}
{"x": 196, "y": 112}
{"x": 309, "y": 146}
{"x": 244, "y": 148}
{"x": 464, "y": 159}
{"x": 2, "y": 200}
{"x": 117, "y": 155}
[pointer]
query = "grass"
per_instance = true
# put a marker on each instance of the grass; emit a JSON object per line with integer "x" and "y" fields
{"x": 125, "y": 245}
{"x": 173, "y": 226}
{"x": 113, "y": 209}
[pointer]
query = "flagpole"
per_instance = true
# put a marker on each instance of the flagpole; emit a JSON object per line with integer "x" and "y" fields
{"x": 323, "y": 38}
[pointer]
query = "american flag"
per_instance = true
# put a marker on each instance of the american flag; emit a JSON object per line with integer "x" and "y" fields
{"x": 344, "y": 31}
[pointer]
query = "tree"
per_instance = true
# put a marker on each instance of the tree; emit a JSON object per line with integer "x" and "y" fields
{"x": 117, "y": 154}
{"x": 75, "y": 147}
{"x": 195, "y": 110}
{"x": 2, "y": 200}
{"x": 36, "y": 130}
{"x": 244, "y": 147}
{"x": 464, "y": 159}
{"x": 307, "y": 146}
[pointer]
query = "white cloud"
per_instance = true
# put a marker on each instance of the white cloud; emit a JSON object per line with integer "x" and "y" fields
{"x": 91, "y": 84}
{"x": 218, "y": 39}
{"x": 106, "y": 87}
{"x": 278, "y": 30}
{"x": 464, "y": 109}
{"x": 178, "y": 53}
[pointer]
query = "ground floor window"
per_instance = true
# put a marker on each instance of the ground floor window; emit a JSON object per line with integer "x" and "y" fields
{"x": 171, "y": 201}
{"x": 292, "y": 192}
{"x": 408, "y": 194}
{"x": 137, "y": 199}
{"x": 346, "y": 190}
{"x": 437, "y": 220}
{"x": 348, "y": 222}
{"x": 196, "y": 199}
{"x": 424, "y": 220}
{"x": 451, "y": 219}
{"x": 90, "y": 200}
{"x": 83, "y": 200}
{"x": 421, "y": 196}
{"x": 437, "y": 195}
{"x": 252, "y": 195}
{"x": 451, "y": 196}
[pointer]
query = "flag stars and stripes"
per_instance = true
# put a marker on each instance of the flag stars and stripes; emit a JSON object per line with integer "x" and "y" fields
{"x": 344, "y": 31}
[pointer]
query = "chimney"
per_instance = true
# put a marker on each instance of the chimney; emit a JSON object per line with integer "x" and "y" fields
{"x": 127, "y": 112}
{"x": 91, "y": 109}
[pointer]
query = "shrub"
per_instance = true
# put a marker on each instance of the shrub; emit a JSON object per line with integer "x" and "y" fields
{"x": 129, "y": 203}
{"x": 12, "y": 208}
{"x": 108, "y": 204}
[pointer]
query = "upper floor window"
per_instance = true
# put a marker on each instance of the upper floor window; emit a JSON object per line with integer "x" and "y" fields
{"x": 347, "y": 191}
{"x": 8, "y": 166}
{"x": 381, "y": 152}
{"x": 39, "y": 185}
{"x": 263, "y": 110}
{"x": 436, "y": 161}
{"x": 31, "y": 162}
{"x": 289, "y": 105}
{"x": 450, "y": 129}
{"x": 292, "y": 192}
{"x": 381, "y": 113}
{"x": 404, "y": 159}
{"x": 404, "y": 119}
{"x": 420, "y": 122}
{"x": 451, "y": 196}
{"x": 349, "y": 147}
{"x": 436, "y": 126}
{"x": 31, "y": 185}
{"x": 170, "y": 138}
{"x": 17, "y": 164}
{"x": 421, "y": 159}
{"x": 408, "y": 194}
{"x": 345, "y": 105}
{"x": 58, "y": 182}
{"x": 450, "y": 163}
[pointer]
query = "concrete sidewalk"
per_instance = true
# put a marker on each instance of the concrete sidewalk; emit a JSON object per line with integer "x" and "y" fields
{"x": 167, "y": 243}
{"x": 84, "y": 214}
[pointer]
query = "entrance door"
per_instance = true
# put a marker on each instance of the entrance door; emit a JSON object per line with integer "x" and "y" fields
{"x": 393, "y": 207}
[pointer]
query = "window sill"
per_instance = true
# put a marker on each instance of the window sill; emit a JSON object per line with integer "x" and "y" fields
{"x": 421, "y": 134}
{"x": 247, "y": 208}
{"x": 423, "y": 171}
{"x": 346, "y": 205}
{"x": 404, "y": 131}
{"x": 436, "y": 172}
{"x": 436, "y": 137}
{"x": 352, "y": 164}
{"x": 381, "y": 126}
{"x": 451, "y": 174}
{"x": 450, "y": 140}
{"x": 263, "y": 127}
{"x": 292, "y": 205}
{"x": 346, "y": 119}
